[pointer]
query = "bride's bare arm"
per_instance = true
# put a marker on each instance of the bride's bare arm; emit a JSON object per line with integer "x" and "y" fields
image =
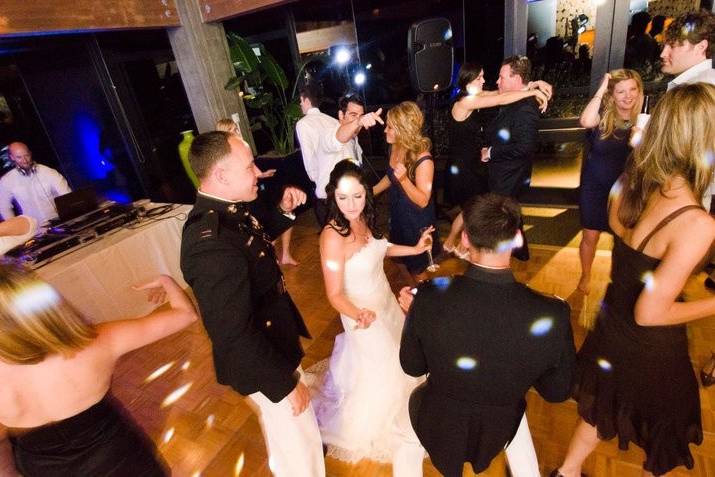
{"x": 332, "y": 261}
{"x": 421, "y": 246}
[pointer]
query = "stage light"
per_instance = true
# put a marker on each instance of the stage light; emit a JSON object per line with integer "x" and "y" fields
{"x": 368, "y": 66}
{"x": 359, "y": 78}
{"x": 448, "y": 34}
{"x": 342, "y": 56}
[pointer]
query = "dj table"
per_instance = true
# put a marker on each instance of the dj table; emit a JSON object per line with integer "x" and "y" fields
{"x": 97, "y": 277}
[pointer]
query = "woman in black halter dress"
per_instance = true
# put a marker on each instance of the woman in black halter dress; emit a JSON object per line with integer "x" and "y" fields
{"x": 635, "y": 379}
{"x": 467, "y": 175}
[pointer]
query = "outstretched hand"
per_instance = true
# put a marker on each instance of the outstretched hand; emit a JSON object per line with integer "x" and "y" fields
{"x": 368, "y": 120}
{"x": 156, "y": 289}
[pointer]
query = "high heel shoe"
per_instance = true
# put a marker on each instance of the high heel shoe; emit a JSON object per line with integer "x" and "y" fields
{"x": 707, "y": 374}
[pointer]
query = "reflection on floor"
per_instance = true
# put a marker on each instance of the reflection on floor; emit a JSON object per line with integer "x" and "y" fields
{"x": 209, "y": 430}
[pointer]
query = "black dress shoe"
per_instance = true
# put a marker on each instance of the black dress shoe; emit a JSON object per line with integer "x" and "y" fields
{"x": 556, "y": 473}
{"x": 709, "y": 283}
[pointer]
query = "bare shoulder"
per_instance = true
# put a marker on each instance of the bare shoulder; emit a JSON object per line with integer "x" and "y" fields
{"x": 331, "y": 238}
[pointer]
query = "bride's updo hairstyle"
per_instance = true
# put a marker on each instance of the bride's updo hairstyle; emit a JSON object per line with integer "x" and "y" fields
{"x": 336, "y": 219}
{"x": 35, "y": 321}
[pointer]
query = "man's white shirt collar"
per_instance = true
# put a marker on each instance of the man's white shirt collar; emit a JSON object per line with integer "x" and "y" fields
{"x": 691, "y": 73}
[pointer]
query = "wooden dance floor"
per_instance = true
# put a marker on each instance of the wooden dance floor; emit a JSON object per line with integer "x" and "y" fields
{"x": 205, "y": 429}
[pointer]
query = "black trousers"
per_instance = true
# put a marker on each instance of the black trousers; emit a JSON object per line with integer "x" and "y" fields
{"x": 320, "y": 207}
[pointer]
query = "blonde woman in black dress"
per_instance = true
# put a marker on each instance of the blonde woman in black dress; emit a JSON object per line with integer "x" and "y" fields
{"x": 635, "y": 379}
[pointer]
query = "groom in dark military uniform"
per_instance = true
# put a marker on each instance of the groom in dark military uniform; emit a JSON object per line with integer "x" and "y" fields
{"x": 254, "y": 326}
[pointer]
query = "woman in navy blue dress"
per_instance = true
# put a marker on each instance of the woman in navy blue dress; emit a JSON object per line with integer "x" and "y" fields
{"x": 609, "y": 118}
{"x": 409, "y": 178}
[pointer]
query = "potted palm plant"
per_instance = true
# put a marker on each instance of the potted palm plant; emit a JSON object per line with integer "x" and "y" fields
{"x": 263, "y": 84}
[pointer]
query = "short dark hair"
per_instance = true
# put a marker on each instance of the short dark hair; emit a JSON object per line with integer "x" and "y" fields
{"x": 491, "y": 220}
{"x": 467, "y": 73}
{"x": 350, "y": 98}
{"x": 206, "y": 150}
{"x": 312, "y": 92}
{"x": 693, "y": 27}
{"x": 520, "y": 65}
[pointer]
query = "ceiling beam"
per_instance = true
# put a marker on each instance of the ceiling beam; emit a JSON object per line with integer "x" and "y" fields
{"x": 218, "y": 10}
{"x": 31, "y": 17}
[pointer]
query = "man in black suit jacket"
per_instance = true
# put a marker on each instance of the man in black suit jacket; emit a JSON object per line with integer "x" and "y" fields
{"x": 512, "y": 137}
{"x": 254, "y": 326}
{"x": 483, "y": 339}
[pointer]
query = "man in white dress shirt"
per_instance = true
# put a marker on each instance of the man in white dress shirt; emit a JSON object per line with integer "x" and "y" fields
{"x": 33, "y": 186}
{"x": 689, "y": 48}
{"x": 325, "y": 141}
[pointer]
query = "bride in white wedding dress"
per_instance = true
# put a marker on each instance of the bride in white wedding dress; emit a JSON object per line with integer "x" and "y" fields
{"x": 360, "y": 392}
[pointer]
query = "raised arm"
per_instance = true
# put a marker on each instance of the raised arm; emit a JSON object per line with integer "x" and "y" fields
{"x": 484, "y": 100}
{"x": 589, "y": 117}
{"x": 349, "y": 130}
{"x": 332, "y": 258}
{"x": 127, "y": 335}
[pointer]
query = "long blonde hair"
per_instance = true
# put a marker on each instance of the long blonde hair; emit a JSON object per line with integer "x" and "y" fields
{"x": 35, "y": 321}
{"x": 610, "y": 114}
{"x": 407, "y": 121}
{"x": 678, "y": 141}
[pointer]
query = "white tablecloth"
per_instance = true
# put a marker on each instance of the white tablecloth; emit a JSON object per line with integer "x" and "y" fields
{"x": 97, "y": 279}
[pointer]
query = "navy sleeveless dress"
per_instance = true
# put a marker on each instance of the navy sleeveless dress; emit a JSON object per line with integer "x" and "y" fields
{"x": 637, "y": 382}
{"x": 601, "y": 168}
{"x": 407, "y": 219}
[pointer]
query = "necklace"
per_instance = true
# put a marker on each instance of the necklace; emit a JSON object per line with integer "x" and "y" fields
{"x": 489, "y": 267}
{"x": 624, "y": 123}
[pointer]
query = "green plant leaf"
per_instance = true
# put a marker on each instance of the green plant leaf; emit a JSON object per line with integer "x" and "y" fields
{"x": 273, "y": 71}
{"x": 242, "y": 53}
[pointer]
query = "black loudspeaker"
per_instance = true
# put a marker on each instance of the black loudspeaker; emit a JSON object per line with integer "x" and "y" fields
{"x": 431, "y": 55}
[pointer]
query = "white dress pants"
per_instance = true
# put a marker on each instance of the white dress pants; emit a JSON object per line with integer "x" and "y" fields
{"x": 293, "y": 442}
{"x": 520, "y": 453}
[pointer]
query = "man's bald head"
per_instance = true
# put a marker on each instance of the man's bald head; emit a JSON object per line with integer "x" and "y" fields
{"x": 21, "y": 155}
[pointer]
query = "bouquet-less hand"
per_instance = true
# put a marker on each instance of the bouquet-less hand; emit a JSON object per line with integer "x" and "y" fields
{"x": 542, "y": 86}
{"x": 292, "y": 198}
{"x": 299, "y": 398}
{"x": 364, "y": 318}
{"x": 400, "y": 172}
{"x": 542, "y": 99}
{"x": 427, "y": 234}
{"x": 424, "y": 244}
{"x": 406, "y": 297}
